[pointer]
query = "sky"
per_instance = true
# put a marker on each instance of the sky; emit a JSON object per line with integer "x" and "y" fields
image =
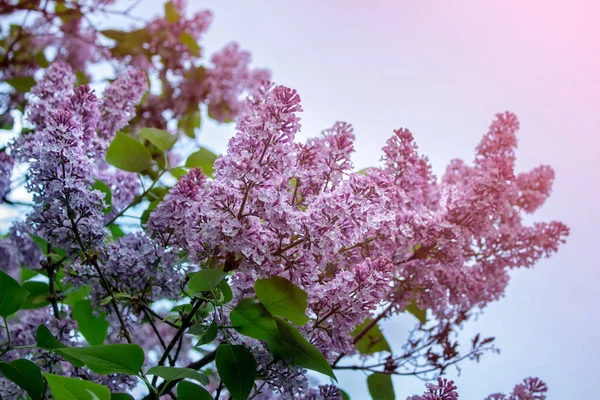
{"x": 443, "y": 69}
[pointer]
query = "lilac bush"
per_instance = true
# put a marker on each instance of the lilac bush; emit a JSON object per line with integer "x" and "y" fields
{"x": 241, "y": 272}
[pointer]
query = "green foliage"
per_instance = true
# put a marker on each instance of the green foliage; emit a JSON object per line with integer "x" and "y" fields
{"x": 225, "y": 291}
{"x": 189, "y": 122}
{"x": 206, "y": 334}
{"x": 38, "y": 295}
{"x": 76, "y": 389}
{"x": 282, "y": 298}
{"x": 190, "y": 42}
{"x": 371, "y": 342}
{"x": 171, "y": 13}
{"x": 421, "y": 315}
{"x": 293, "y": 345}
{"x": 26, "y": 374}
{"x": 121, "y": 396}
{"x": 103, "y": 187}
{"x": 175, "y": 374}
{"x": 237, "y": 368}
{"x": 12, "y": 295}
{"x": 191, "y": 391}
{"x": 178, "y": 172}
{"x": 107, "y": 359}
{"x": 381, "y": 387}
{"x": 92, "y": 327}
{"x": 127, "y": 154}
{"x": 22, "y": 84}
{"x": 205, "y": 280}
{"x": 251, "y": 318}
{"x": 160, "y": 138}
{"x": 203, "y": 159}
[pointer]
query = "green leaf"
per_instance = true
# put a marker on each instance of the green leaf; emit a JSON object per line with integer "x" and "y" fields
{"x": 205, "y": 280}
{"x": 27, "y": 274}
{"x": 251, "y": 318}
{"x": 191, "y": 391}
{"x": 22, "y": 84}
{"x": 12, "y": 295}
{"x": 293, "y": 345}
{"x": 113, "y": 34}
{"x": 63, "y": 388}
{"x": 189, "y": 122}
{"x": 103, "y": 187}
{"x": 176, "y": 374}
{"x": 116, "y": 230}
{"x": 171, "y": 13}
{"x": 371, "y": 342}
{"x": 76, "y": 295}
{"x": 146, "y": 214}
{"x": 109, "y": 358}
{"x": 282, "y": 298}
{"x": 158, "y": 137}
{"x": 206, "y": 334}
{"x": 236, "y": 367}
{"x": 25, "y": 374}
{"x": 92, "y": 327}
{"x": 38, "y": 295}
{"x": 190, "y": 42}
{"x": 121, "y": 396}
{"x": 421, "y": 315}
{"x": 225, "y": 290}
{"x": 178, "y": 172}
{"x": 127, "y": 154}
{"x": 380, "y": 387}
{"x": 345, "y": 395}
{"x": 202, "y": 158}
{"x": 45, "y": 340}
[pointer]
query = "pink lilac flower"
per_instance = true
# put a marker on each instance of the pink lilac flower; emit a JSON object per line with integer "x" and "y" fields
{"x": 443, "y": 390}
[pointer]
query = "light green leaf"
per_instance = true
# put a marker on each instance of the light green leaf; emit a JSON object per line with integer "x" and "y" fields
{"x": 92, "y": 327}
{"x": 294, "y": 346}
{"x": 127, "y": 154}
{"x": 176, "y": 374}
{"x": 25, "y": 374}
{"x": 282, "y": 298}
{"x": 191, "y": 391}
{"x": 203, "y": 159}
{"x": 12, "y": 295}
{"x": 190, "y": 42}
{"x": 236, "y": 367}
{"x": 22, "y": 84}
{"x": 63, "y": 388}
{"x": 160, "y": 138}
{"x": 103, "y": 187}
{"x": 171, "y": 13}
{"x": 251, "y": 318}
{"x": 205, "y": 280}
{"x": 178, "y": 172}
{"x": 381, "y": 387}
{"x": 108, "y": 359}
{"x": 38, "y": 295}
{"x": 371, "y": 342}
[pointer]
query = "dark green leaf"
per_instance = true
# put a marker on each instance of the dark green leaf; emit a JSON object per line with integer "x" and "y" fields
{"x": 45, "y": 340}
{"x": 202, "y": 158}
{"x": 421, "y": 315}
{"x": 293, "y": 345}
{"x": 345, "y": 395}
{"x": 38, "y": 295}
{"x": 191, "y": 391}
{"x": 146, "y": 214}
{"x": 103, "y": 187}
{"x": 22, "y": 84}
{"x": 116, "y": 230}
{"x": 236, "y": 367}
{"x": 281, "y": 297}
{"x": 63, "y": 388}
{"x": 205, "y": 280}
{"x": 176, "y": 374}
{"x": 225, "y": 290}
{"x": 27, "y": 274}
{"x": 92, "y": 327}
{"x": 251, "y": 318}
{"x": 25, "y": 374}
{"x": 12, "y": 295}
{"x": 108, "y": 359}
{"x": 371, "y": 342}
{"x": 205, "y": 334}
{"x": 127, "y": 154}
{"x": 158, "y": 137}
{"x": 380, "y": 387}
{"x": 121, "y": 396}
